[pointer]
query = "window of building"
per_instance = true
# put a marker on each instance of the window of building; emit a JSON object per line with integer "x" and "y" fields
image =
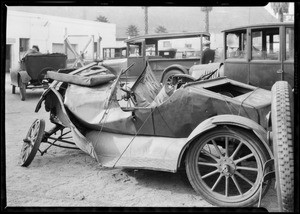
{"x": 289, "y": 43}
{"x": 236, "y": 45}
{"x": 58, "y": 48}
{"x": 188, "y": 45}
{"x": 265, "y": 44}
{"x": 167, "y": 44}
{"x": 24, "y": 44}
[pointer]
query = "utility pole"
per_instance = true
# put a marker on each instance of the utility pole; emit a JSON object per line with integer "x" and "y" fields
{"x": 146, "y": 19}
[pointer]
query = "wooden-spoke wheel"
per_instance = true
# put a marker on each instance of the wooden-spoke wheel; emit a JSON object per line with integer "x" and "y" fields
{"x": 32, "y": 142}
{"x": 13, "y": 89}
{"x": 225, "y": 166}
{"x": 167, "y": 79}
{"x": 282, "y": 129}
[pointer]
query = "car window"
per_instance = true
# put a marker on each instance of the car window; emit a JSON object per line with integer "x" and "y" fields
{"x": 135, "y": 50}
{"x": 108, "y": 53}
{"x": 289, "y": 43}
{"x": 265, "y": 44}
{"x": 236, "y": 45}
{"x": 150, "y": 50}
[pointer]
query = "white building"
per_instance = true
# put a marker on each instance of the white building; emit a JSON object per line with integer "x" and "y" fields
{"x": 48, "y": 32}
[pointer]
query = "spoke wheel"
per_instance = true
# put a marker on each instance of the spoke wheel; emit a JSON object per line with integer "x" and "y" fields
{"x": 22, "y": 88}
{"x": 167, "y": 79}
{"x": 225, "y": 166}
{"x": 282, "y": 129}
{"x": 32, "y": 142}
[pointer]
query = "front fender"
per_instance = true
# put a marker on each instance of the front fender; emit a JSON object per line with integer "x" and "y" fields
{"x": 233, "y": 120}
{"x": 53, "y": 99}
{"x": 178, "y": 67}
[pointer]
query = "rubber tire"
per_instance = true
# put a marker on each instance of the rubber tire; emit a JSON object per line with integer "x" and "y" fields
{"x": 170, "y": 74}
{"x": 13, "y": 89}
{"x": 199, "y": 186}
{"x": 36, "y": 144}
{"x": 22, "y": 88}
{"x": 282, "y": 130}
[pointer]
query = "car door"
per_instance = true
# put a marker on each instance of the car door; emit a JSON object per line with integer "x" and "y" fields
{"x": 136, "y": 55}
{"x": 266, "y": 59}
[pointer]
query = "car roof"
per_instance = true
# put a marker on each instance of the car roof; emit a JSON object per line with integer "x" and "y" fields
{"x": 167, "y": 36}
{"x": 261, "y": 25}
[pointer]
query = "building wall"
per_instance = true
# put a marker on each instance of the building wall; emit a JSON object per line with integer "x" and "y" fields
{"x": 48, "y": 32}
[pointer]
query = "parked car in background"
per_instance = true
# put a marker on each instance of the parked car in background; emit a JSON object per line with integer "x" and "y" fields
{"x": 158, "y": 50}
{"x": 114, "y": 52}
{"x": 257, "y": 55}
{"x": 32, "y": 69}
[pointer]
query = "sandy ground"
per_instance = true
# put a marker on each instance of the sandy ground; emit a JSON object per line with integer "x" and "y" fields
{"x": 70, "y": 178}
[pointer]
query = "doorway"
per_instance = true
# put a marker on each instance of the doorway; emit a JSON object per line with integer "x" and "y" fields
{"x": 8, "y": 58}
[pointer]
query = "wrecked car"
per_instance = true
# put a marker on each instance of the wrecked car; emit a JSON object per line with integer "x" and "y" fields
{"x": 217, "y": 129}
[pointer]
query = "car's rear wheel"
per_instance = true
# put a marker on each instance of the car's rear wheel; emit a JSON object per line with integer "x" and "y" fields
{"x": 225, "y": 166}
{"x": 167, "y": 79}
{"x": 13, "y": 89}
{"x": 22, "y": 88}
{"x": 282, "y": 129}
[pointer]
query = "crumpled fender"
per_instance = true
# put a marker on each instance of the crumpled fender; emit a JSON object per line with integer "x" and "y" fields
{"x": 181, "y": 68}
{"x": 25, "y": 78}
{"x": 233, "y": 120}
{"x": 56, "y": 99}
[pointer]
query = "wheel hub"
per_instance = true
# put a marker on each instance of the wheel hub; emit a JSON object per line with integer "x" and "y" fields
{"x": 226, "y": 166}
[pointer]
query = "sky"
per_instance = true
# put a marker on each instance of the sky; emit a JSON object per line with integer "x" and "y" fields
{"x": 175, "y": 19}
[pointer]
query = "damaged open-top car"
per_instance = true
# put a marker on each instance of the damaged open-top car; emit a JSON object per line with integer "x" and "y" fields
{"x": 220, "y": 130}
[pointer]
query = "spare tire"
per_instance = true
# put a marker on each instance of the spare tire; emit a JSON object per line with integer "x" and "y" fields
{"x": 282, "y": 129}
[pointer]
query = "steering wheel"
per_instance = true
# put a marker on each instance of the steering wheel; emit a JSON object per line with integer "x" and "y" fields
{"x": 114, "y": 85}
{"x": 129, "y": 95}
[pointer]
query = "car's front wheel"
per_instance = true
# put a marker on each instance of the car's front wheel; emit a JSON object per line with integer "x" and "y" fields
{"x": 225, "y": 166}
{"x": 167, "y": 79}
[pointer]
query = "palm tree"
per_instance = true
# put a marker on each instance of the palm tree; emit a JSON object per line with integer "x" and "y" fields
{"x": 132, "y": 30}
{"x": 146, "y": 19}
{"x": 160, "y": 29}
{"x": 280, "y": 8}
{"x": 101, "y": 19}
{"x": 206, "y": 10}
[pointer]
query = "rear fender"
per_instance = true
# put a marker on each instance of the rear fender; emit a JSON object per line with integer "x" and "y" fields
{"x": 232, "y": 120}
{"x": 178, "y": 67}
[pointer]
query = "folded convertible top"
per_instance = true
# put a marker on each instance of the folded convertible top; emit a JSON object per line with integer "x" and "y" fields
{"x": 81, "y": 80}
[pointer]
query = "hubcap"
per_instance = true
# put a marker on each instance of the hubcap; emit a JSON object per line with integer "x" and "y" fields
{"x": 226, "y": 166}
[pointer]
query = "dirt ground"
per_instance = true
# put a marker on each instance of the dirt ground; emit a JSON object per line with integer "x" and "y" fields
{"x": 71, "y": 178}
